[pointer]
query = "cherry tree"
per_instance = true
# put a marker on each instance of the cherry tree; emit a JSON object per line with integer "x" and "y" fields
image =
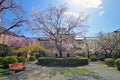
{"x": 108, "y": 42}
{"x": 11, "y": 8}
{"x": 17, "y": 42}
{"x": 56, "y": 24}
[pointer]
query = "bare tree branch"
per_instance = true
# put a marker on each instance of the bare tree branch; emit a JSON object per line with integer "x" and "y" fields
{"x": 56, "y": 25}
{"x": 17, "y": 24}
{"x": 16, "y": 10}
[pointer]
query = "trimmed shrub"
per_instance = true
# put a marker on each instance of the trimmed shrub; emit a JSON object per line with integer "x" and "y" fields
{"x": 32, "y": 58}
{"x": 4, "y": 50}
{"x": 93, "y": 58}
{"x": 22, "y": 59}
{"x": 109, "y": 62}
{"x": 9, "y": 60}
{"x": 15, "y": 57}
{"x": 40, "y": 54}
{"x": 71, "y": 61}
{"x": 115, "y": 55}
{"x": 1, "y": 66}
{"x": 1, "y": 60}
{"x": 102, "y": 57}
{"x": 117, "y": 63}
{"x": 80, "y": 56}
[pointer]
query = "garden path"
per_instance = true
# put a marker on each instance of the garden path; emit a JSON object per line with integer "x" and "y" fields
{"x": 37, "y": 72}
{"x": 108, "y": 73}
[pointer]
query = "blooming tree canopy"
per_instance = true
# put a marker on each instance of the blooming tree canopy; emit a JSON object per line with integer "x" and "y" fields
{"x": 56, "y": 24}
{"x": 17, "y": 42}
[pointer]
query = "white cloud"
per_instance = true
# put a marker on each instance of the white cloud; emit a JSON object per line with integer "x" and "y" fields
{"x": 101, "y": 7}
{"x": 101, "y": 13}
{"x": 85, "y": 3}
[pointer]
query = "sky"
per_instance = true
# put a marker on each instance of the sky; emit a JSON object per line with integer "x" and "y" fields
{"x": 104, "y": 15}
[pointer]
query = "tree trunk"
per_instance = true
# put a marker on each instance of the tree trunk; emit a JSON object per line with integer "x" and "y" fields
{"x": 88, "y": 50}
{"x": 59, "y": 48}
{"x": 88, "y": 54}
{"x": 60, "y": 53}
{"x": 28, "y": 55}
{"x": 106, "y": 53}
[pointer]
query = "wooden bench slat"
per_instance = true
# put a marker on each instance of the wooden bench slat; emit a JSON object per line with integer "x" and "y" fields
{"x": 16, "y": 66}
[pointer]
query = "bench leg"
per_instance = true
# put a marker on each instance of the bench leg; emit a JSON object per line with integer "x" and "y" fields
{"x": 24, "y": 68}
{"x": 15, "y": 71}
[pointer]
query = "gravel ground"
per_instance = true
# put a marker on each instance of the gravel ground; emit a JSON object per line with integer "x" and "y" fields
{"x": 107, "y": 73}
{"x": 37, "y": 72}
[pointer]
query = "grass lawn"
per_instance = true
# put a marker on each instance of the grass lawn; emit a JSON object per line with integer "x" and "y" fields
{"x": 65, "y": 70}
{"x": 104, "y": 65}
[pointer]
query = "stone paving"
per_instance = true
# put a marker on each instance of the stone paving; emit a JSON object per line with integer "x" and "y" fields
{"x": 106, "y": 72}
{"x": 37, "y": 72}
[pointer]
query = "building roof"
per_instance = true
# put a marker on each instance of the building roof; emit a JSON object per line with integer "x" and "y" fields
{"x": 118, "y": 30}
{"x": 81, "y": 38}
{"x": 43, "y": 39}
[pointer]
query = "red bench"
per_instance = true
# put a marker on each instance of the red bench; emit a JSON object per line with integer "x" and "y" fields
{"x": 17, "y": 66}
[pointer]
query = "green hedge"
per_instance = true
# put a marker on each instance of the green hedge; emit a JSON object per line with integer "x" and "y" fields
{"x": 1, "y": 60}
{"x": 109, "y": 62}
{"x": 9, "y": 60}
{"x": 22, "y": 59}
{"x": 117, "y": 63}
{"x": 71, "y": 61}
{"x": 93, "y": 58}
{"x": 5, "y": 61}
{"x": 32, "y": 58}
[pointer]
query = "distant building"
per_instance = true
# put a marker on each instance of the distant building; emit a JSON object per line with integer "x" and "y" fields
{"x": 6, "y": 33}
{"x": 51, "y": 47}
{"x": 11, "y": 39}
{"x": 116, "y": 31}
{"x": 75, "y": 44}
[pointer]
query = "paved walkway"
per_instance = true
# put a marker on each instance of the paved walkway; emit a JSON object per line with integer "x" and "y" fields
{"x": 37, "y": 72}
{"x": 107, "y": 73}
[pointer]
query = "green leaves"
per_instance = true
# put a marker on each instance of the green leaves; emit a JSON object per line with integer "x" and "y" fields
{"x": 29, "y": 48}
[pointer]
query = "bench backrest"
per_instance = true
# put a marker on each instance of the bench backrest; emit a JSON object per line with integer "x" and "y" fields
{"x": 16, "y": 66}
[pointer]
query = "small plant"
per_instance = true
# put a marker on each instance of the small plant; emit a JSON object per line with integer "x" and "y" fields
{"x": 93, "y": 58}
{"x": 117, "y": 63}
{"x": 102, "y": 57}
{"x": 109, "y": 62}
{"x": 115, "y": 55}
{"x": 32, "y": 58}
{"x": 22, "y": 59}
